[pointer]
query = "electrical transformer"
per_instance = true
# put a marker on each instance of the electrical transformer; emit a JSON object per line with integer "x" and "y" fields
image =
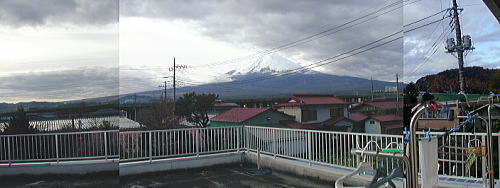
{"x": 450, "y": 45}
{"x": 467, "y": 42}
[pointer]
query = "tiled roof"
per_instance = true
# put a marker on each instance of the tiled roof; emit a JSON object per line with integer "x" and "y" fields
{"x": 385, "y": 105}
{"x": 333, "y": 121}
{"x": 299, "y": 100}
{"x": 384, "y": 118}
{"x": 238, "y": 115}
{"x": 357, "y": 116}
{"x": 296, "y": 125}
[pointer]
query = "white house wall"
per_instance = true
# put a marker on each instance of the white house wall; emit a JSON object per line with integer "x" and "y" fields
{"x": 323, "y": 114}
{"x": 292, "y": 110}
{"x": 372, "y": 128}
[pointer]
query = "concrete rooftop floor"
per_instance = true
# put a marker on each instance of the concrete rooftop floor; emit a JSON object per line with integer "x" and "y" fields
{"x": 107, "y": 179}
{"x": 220, "y": 176}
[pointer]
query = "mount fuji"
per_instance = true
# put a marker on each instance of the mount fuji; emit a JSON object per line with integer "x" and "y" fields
{"x": 272, "y": 63}
{"x": 268, "y": 77}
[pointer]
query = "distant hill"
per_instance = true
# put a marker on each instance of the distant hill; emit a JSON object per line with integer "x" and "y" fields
{"x": 477, "y": 80}
{"x": 281, "y": 86}
{"x": 254, "y": 81}
{"x": 245, "y": 82}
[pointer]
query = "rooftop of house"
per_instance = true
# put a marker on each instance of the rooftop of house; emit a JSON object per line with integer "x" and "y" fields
{"x": 238, "y": 115}
{"x": 386, "y": 118}
{"x": 296, "y": 125}
{"x": 357, "y": 116}
{"x": 300, "y": 100}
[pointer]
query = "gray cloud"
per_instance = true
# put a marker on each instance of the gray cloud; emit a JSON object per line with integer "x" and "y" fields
{"x": 17, "y": 13}
{"x": 59, "y": 85}
{"x": 267, "y": 24}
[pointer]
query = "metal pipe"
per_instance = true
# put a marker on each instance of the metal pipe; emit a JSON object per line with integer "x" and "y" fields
{"x": 413, "y": 167}
{"x": 489, "y": 145}
{"x": 405, "y": 159}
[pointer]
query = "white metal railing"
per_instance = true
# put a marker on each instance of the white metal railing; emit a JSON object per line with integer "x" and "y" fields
{"x": 55, "y": 147}
{"x": 325, "y": 147}
{"x": 149, "y": 145}
{"x": 73, "y": 123}
{"x": 452, "y": 155}
{"x": 310, "y": 146}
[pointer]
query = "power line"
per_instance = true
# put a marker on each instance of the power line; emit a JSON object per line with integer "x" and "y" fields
{"x": 426, "y": 58}
{"x": 434, "y": 46}
{"x": 312, "y": 37}
{"x": 327, "y": 61}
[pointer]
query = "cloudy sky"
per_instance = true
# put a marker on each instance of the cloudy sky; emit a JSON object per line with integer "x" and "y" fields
{"x": 55, "y": 50}
{"x": 70, "y": 49}
{"x": 208, "y": 32}
{"x": 199, "y": 33}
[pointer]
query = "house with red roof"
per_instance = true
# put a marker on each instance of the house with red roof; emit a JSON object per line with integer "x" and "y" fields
{"x": 312, "y": 111}
{"x": 376, "y": 107}
{"x": 358, "y": 120}
{"x": 267, "y": 117}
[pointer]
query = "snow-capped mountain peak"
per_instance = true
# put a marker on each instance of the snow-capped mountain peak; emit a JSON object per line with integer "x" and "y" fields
{"x": 266, "y": 64}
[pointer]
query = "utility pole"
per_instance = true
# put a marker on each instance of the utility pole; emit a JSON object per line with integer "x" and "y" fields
{"x": 460, "y": 52}
{"x": 371, "y": 91}
{"x": 463, "y": 43}
{"x": 164, "y": 86}
{"x": 174, "y": 83}
{"x": 135, "y": 106}
{"x": 174, "y": 68}
{"x": 397, "y": 95}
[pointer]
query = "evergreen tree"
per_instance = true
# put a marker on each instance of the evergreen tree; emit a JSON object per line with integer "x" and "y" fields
{"x": 194, "y": 107}
{"x": 19, "y": 124}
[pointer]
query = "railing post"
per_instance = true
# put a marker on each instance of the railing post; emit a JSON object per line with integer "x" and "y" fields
{"x": 8, "y": 149}
{"x": 197, "y": 145}
{"x": 150, "y": 148}
{"x": 274, "y": 143}
{"x": 238, "y": 139}
{"x": 483, "y": 159}
{"x": 57, "y": 148}
{"x": 309, "y": 146}
{"x": 105, "y": 145}
{"x": 357, "y": 144}
{"x": 247, "y": 140}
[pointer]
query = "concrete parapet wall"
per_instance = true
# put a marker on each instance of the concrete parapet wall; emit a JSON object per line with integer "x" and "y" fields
{"x": 134, "y": 168}
{"x": 67, "y": 168}
{"x": 301, "y": 168}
